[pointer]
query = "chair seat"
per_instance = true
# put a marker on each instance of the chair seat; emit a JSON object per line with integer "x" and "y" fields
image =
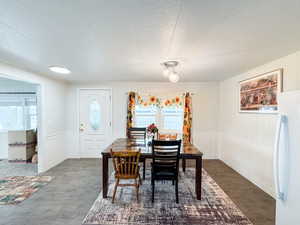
{"x": 164, "y": 167}
{"x": 164, "y": 175}
{"x": 127, "y": 176}
{"x": 164, "y": 171}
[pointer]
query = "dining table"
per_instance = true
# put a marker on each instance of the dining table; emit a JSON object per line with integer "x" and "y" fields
{"x": 187, "y": 151}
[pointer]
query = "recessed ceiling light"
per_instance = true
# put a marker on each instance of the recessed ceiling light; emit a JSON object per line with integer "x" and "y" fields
{"x": 59, "y": 69}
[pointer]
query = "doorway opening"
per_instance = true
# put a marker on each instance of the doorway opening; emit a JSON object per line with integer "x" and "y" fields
{"x": 19, "y": 109}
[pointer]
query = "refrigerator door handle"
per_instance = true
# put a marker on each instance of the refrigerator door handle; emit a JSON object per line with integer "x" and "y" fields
{"x": 281, "y": 120}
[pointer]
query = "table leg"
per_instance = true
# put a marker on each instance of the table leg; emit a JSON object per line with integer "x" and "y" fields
{"x": 144, "y": 168}
{"x": 198, "y": 177}
{"x": 104, "y": 176}
{"x": 183, "y": 165}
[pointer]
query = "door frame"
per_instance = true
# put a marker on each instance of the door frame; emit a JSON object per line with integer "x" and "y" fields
{"x": 78, "y": 114}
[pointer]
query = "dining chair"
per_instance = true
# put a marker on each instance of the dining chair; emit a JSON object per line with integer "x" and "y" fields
{"x": 137, "y": 136}
{"x": 165, "y": 163}
{"x": 126, "y": 166}
{"x": 167, "y": 136}
{"x": 171, "y": 136}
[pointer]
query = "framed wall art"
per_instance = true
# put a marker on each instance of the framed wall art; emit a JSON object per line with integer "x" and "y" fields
{"x": 259, "y": 94}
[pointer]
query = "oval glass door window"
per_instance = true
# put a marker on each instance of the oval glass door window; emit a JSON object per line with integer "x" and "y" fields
{"x": 95, "y": 115}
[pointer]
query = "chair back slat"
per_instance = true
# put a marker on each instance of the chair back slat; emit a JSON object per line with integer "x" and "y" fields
{"x": 137, "y": 133}
{"x": 166, "y": 152}
{"x": 137, "y": 136}
{"x": 126, "y": 163}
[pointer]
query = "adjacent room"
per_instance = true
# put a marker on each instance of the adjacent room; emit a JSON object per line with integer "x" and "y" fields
{"x": 18, "y": 128}
{"x": 149, "y": 112}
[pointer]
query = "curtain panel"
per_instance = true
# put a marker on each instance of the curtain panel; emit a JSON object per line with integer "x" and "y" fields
{"x": 159, "y": 101}
{"x": 130, "y": 110}
{"x": 187, "y": 120}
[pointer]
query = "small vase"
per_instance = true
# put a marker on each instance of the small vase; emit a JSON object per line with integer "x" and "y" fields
{"x": 150, "y": 138}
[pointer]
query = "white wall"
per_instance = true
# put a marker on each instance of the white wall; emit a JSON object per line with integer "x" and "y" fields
{"x": 52, "y": 115}
{"x": 246, "y": 140}
{"x": 205, "y": 111}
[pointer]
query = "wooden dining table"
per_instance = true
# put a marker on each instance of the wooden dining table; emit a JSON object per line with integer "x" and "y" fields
{"x": 188, "y": 151}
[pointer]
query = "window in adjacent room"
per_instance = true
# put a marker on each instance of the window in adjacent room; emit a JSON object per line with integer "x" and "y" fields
{"x": 18, "y": 112}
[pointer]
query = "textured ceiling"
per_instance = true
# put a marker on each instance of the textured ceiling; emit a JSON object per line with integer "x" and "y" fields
{"x": 118, "y": 40}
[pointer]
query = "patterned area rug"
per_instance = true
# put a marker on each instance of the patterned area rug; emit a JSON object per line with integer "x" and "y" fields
{"x": 215, "y": 208}
{"x": 14, "y": 190}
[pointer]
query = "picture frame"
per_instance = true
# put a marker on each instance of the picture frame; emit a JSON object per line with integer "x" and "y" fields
{"x": 259, "y": 94}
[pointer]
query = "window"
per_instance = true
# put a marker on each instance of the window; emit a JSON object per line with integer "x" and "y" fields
{"x": 18, "y": 112}
{"x": 172, "y": 118}
{"x": 95, "y": 114}
{"x": 11, "y": 117}
{"x": 168, "y": 119}
{"x": 144, "y": 116}
{"x": 32, "y": 117}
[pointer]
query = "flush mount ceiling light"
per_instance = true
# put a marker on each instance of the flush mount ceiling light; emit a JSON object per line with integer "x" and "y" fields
{"x": 59, "y": 69}
{"x": 169, "y": 71}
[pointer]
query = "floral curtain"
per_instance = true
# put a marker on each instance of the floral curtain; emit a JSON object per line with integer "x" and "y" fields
{"x": 148, "y": 100}
{"x": 130, "y": 110}
{"x": 184, "y": 101}
{"x": 159, "y": 102}
{"x": 187, "y": 120}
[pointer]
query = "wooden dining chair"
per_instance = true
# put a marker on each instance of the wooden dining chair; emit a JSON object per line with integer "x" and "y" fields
{"x": 170, "y": 137}
{"x": 126, "y": 166}
{"x": 165, "y": 164}
{"x": 137, "y": 135}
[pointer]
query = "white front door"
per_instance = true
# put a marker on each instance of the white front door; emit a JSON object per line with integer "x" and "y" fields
{"x": 94, "y": 121}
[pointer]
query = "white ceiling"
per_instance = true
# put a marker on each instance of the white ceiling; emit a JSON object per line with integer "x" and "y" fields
{"x": 118, "y": 40}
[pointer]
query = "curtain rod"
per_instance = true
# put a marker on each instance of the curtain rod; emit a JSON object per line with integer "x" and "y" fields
{"x": 16, "y": 93}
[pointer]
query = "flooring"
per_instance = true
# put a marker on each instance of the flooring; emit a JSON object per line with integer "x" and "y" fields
{"x": 77, "y": 182}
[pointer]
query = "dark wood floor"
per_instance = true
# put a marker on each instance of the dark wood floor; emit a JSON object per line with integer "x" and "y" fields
{"x": 77, "y": 182}
{"x": 258, "y": 206}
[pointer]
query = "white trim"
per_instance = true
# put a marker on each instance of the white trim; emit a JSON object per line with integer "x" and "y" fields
{"x": 78, "y": 113}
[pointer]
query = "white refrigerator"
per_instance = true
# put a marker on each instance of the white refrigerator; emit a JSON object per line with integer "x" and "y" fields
{"x": 287, "y": 160}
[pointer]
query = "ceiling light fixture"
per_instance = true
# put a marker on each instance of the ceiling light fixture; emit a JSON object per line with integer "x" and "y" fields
{"x": 169, "y": 71}
{"x": 166, "y": 72}
{"x": 174, "y": 77}
{"x": 59, "y": 69}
